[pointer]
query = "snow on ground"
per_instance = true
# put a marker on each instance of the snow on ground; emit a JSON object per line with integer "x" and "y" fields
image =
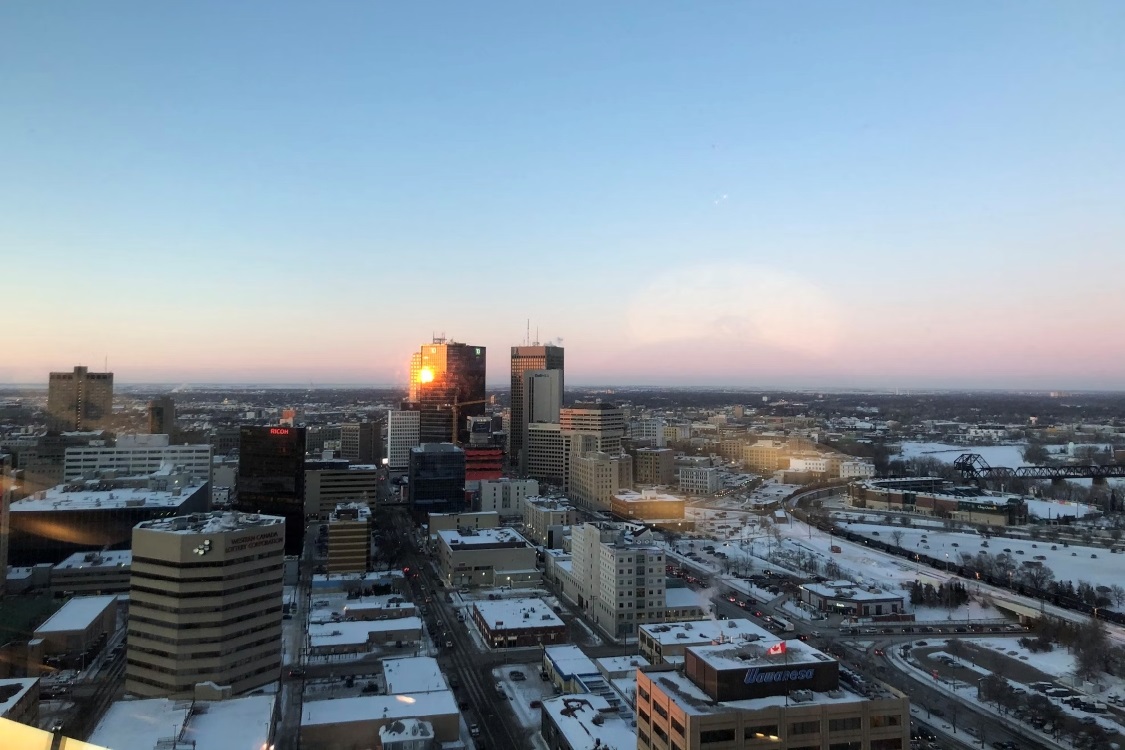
{"x": 523, "y": 692}
{"x": 996, "y": 455}
{"x": 1058, "y": 662}
{"x": 973, "y": 610}
{"x": 1074, "y": 563}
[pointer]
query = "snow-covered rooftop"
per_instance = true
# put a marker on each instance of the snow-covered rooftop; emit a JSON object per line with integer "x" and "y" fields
{"x": 513, "y": 614}
{"x": 695, "y": 701}
{"x": 574, "y": 716}
{"x": 502, "y": 537}
{"x": 416, "y": 729}
{"x": 77, "y": 614}
{"x": 11, "y": 691}
{"x": 211, "y": 523}
{"x": 60, "y": 499}
{"x": 736, "y": 655}
{"x": 109, "y": 559}
{"x": 705, "y": 631}
{"x": 372, "y": 707}
{"x": 215, "y": 725}
{"x": 413, "y": 674}
{"x": 679, "y": 598}
{"x": 849, "y": 591}
{"x": 615, "y": 664}
{"x": 570, "y": 661}
{"x": 356, "y": 632}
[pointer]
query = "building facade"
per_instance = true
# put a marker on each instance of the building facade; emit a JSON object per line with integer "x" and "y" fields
{"x": 544, "y": 518}
{"x": 362, "y": 442}
{"x": 486, "y": 557}
{"x": 349, "y": 539}
{"x": 162, "y": 416}
{"x": 700, "y": 480}
{"x": 596, "y": 477}
{"x": 622, "y": 579}
{"x": 205, "y": 603}
{"x": 327, "y": 488}
{"x": 402, "y": 435}
{"x": 447, "y": 386}
{"x": 654, "y": 466}
{"x": 506, "y": 496}
{"x": 548, "y": 394}
{"x": 271, "y": 478}
{"x": 7, "y": 483}
{"x": 128, "y": 459}
{"x": 436, "y": 477}
{"x": 80, "y": 400}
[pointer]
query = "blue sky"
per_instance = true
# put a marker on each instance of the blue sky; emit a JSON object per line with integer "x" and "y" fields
{"x": 785, "y": 193}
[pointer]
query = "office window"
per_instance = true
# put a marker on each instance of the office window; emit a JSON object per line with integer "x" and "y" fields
{"x": 847, "y": 724}
{"x": 716, "y": 735}
{"x": 761, "y": 732}
{"x": 804, "y": 727}
{"x": 659, "y": 710}
{"x": 885, "y": 721}
{"x": 677, "y": 727}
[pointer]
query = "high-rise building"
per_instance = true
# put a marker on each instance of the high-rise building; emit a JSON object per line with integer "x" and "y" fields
{"x": 446, "y": 387}
{"x": 6, "y": 484}
{"x": 162, "y": 416}
{"x": 271, "y": 477}
{"x": 327, "y": 484}
{"x": 402, "y": 435}
{"x": 361, "y": 442}
{"x": 602, "y": 421}
{"x": 349, "y": 538}
{"x": 541, "y": 403}
{"x": 80, "y": 400}
{"x": 437, "y": 478}
{"x": 595, "y": 477}
{"x": 205, "y": 602}
{"x": 527, "y": 359}
{"x": 654, "y": 466}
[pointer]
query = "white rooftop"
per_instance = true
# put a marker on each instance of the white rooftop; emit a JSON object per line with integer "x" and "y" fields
{"x": 112, "y": 559}
{"x": 648, "y": 496}
{"x": 570, "y": 660}
{"x": 849, "y": 591}
{"x": 356, "y": 632}
{"x": 375, "y": 707}
{"x": 384, "y": 601}
{"x": 413, "y": 674}
{"x": 612, "y": 664}
{"x": 77, "y": 614}
{"x": 696, "y": 702}
{"x": 515, "y": 614}
{"x": 11, "y": 691}
{"x": 214, "y": 522}
{"x": 705, "y": 631}
{"x": 574, "y": 716}
{"x": 481, "y": 537}
{"x": 740, "y": 655}
{"x": 216, "y": 725}
{"x": 679, "y": 598}
{"x": 406, "y": 728}
{"x": 58, "y": 499}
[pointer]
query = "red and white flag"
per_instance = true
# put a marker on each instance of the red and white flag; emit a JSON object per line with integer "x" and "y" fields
{"x": 778, "y": 648}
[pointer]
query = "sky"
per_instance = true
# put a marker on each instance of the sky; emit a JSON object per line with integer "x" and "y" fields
{"x": 745, "y": 193}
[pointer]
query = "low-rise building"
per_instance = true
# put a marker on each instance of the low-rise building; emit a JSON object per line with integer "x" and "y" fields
{"x": 544, "y": 518}
{"x": 413, "y": 674}
{"x": 407, "y": 734}
{"x": 701, "y": 480}
{"x": 92, "y": 573}
{"x": 362, "y": 636}
{"x": 647, "y": 506}
{"x": 585, "y": 722}
{"x": 386, "y": 607}
{"x": 488, "y": 557}
{"x": 596, "y": 476}
{"x": 940, "y": 498}
{"x": 683, "y": 604}
{"x": 247, "y": 722}
{"x": 516, "y": 623}
{"x": 751, "y": 695}
{"x": 19, "y": 700}
{"x": 847, "y": 598}
{"x": 470, "y": 520}
{"x": 343, "y": 723}
{"x": 666, "y": 643}
{"x": 81, "y": 623}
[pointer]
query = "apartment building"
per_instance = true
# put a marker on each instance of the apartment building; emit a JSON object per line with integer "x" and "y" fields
{"x": 205, "y": 603}
{"x": 596, "y": 477}
{"x": 80, "y": 400}
{"x": 621, "y": 580}
{"x": 759, "y": 694}
{"x": 349, "y": 539}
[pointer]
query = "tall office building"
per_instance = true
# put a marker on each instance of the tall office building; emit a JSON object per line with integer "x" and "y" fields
{"x": 541, "y": 403}
{"x": 80, "y": 400}
{"x": 524, "y": 360}
{"x": 447, "y": 387}
{"x": 162, "y": 416}
{"x": 361, "y": 442}
{"x": 271, "y": 477}
{"x": 402, "y": 435}
{"x": 437, "y": 478}
{"x": 205, "y": 601}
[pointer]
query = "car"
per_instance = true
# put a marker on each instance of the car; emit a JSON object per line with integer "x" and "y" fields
{"x": 296, "y": 672}
{"x": 500, "y": 690}
{"x": 474, "y": 730}
{"x": 874, "y": 533}
{"x": 517, "y": 675}
{"x": 536, "y": 704}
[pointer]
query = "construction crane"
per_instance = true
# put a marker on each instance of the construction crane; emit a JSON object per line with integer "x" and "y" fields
{"x": 455, "y": 409}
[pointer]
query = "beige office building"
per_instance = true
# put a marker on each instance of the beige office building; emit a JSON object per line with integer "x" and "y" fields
{"x": 596, "y": 477}
{"x": 327, "y": 488}
{"x": 542, "y": 515}
{"x": 80, "y": 400}
{"x": 205, "y": 603}
{"x": 349, "y": 538}
{"x": 486, "y": 557}
{"x": 654, "y": 466}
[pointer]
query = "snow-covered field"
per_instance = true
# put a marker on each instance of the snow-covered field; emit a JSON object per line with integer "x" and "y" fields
{"x": 1074, "y": 563}
{"x": 1010, "y": 456}
{"x": 1057, "y": 662}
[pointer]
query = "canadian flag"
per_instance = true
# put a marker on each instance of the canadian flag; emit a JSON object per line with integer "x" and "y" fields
{"x": 778, "y": 648}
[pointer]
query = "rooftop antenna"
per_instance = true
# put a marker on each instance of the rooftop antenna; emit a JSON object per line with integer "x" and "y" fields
{"x": 527, "y": 337}
{"x": 537, "y": 335}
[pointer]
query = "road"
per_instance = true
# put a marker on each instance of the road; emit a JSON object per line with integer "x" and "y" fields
{"x": 288, "y": 732}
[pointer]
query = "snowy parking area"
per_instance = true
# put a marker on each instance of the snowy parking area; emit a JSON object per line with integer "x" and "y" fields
{"x": 522, "y": 693}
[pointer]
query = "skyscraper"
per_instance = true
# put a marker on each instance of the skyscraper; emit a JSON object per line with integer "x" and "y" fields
{"x": 80, "y": 400}
{"x": 271, "y": 477}
{"x": 524, "y": 359}
{"x": 541, "y": 403}
{"x": 446, "y": 387}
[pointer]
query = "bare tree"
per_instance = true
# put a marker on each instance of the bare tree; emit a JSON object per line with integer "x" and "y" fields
{"x": 1117, "y": 593}
{"x": 897, "y": 535}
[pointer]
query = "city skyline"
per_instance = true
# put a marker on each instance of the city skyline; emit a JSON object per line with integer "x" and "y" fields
{"x": 746, "y": 195}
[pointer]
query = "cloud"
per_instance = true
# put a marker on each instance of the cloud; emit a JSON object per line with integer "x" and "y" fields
{"x": 736, "y": 304}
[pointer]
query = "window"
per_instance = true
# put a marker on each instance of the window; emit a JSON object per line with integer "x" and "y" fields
{"x": 891, "y": 743}
{"x": 716, "y": 735}
{"x": 660, "y": 711}
{"x": 885, "y": 721}
{"x": 848, "y": 724}
{"x": 642, "y": 693}
{"x": 804, "y": 727}
{"x": 659, "y": 732}
{"x": 761, "y": 732}
{"x": 677, "y": 727}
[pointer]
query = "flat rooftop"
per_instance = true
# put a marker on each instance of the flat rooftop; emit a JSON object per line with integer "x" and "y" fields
{"x": 413, "y": 674}
{"x": 696, "y": 702}
{"x": 684, "y": 597}
{"x": 81, "y": 497}
{"x": 742, "y": 655}
{"x": 377, "y": 707}
{"x": 112, "y": 559}
{"x": 77, "y": 614}
{"x": 574, "y": 716}
{"x": 849, "y": 591}
{"x": 356, "y": 632}
{"x": 503, "y": 537}
{"x": 705, "y": 631}
{"x": 214, "y": 522}
{"x": 215, "y": 725}
{"x": 570, "y": 661}
{"x": 516, "y": 614}
{"x": 647, "y": 497}
{"x": 12, "y": 691}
